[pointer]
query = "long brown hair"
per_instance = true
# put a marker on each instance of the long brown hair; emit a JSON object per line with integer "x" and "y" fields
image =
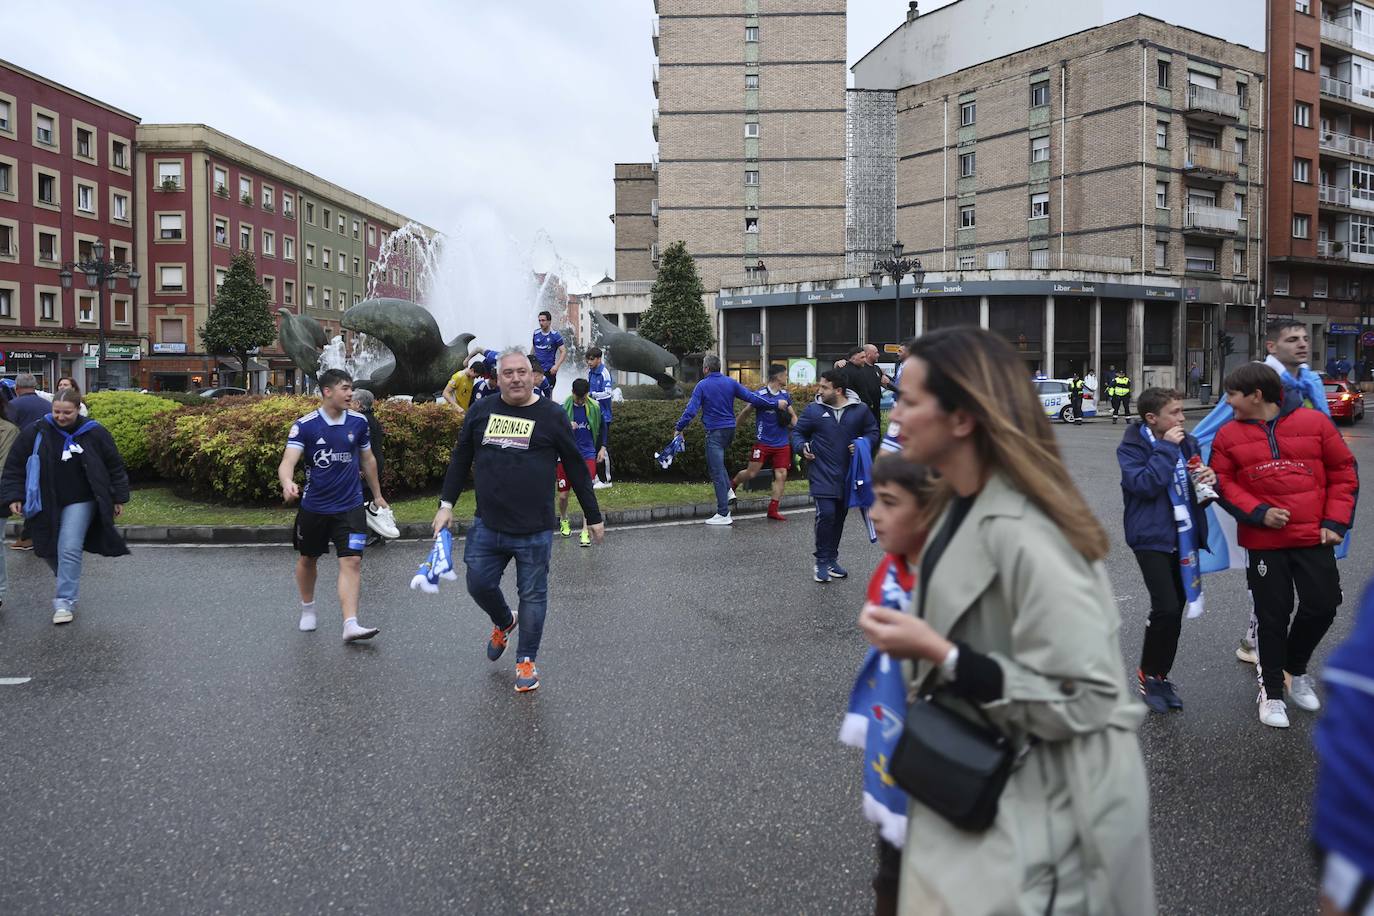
{"x": 970, "y": 369}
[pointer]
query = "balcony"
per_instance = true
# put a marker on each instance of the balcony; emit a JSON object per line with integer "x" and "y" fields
{"x": 1101, "y": 263}
{"x": 1335, "y": 251}
{"x": 1212, "y": 105}
{"x": 655, "y": 124}
{"x": 1347, "y": 145}
{"x": 655, "y": 79}
{"x": 1333, "y": 88}
{"x": 1333, "y": 196}
{"x": 653, "y": 210}
{"x": 655, "y": 36}
{"x": 1338, "y": 31}
{"x": 1211, "y": 163}
{"x": 1211, "y": 221}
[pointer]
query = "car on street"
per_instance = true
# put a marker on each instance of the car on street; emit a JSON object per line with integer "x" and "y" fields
{"x": 1345, "y": 400}
{"x": 1054, "y": 397}
{"x": 222, "y": 392}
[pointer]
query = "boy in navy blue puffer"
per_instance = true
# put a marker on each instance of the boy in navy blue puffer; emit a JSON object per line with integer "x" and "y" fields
{"x": 1151, "y": 454}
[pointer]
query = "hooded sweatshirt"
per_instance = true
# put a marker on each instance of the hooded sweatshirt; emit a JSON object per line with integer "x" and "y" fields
{"x": 829, "y": 431}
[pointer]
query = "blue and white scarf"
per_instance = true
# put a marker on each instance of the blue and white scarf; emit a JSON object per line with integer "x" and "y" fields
{"x": 877, "y": 712}
{"x": 665, "y": 456}
{"x": 1188, "y": 565}
{"x": 438, "y": 565}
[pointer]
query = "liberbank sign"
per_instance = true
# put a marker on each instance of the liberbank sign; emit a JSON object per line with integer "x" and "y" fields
{"x": 969, "y": 288}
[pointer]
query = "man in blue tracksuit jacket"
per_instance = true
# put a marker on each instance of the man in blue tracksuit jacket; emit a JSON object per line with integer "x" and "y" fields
{"x": 824, "y": 435}
{"x": 715, "y": 397}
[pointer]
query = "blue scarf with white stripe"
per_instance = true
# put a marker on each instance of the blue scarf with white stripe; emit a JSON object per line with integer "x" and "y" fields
{"x": 1181, "y": 497}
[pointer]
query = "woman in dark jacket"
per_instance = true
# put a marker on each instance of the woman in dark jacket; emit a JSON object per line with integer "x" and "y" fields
{"x": 84, "y": 487}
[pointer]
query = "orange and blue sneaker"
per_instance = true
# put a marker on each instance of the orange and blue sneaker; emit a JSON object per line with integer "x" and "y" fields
{"x": 496, "y": 646}
{"x": 526, "y": 676}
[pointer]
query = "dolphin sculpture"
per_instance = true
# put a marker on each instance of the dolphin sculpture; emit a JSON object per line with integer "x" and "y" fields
{"x": 631, "y": 353}
{"x": 302, "y": 338}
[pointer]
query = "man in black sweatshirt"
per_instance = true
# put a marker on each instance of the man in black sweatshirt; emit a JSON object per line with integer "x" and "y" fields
{"x": 511, "y": 444}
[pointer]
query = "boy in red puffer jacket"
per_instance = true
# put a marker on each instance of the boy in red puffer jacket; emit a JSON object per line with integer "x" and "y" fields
{"x": 1288, "y": 476}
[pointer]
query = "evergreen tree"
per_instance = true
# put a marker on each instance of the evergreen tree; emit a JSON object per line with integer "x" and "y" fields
{"x": 241, "y": 319}
{"x": 676, "y": 319}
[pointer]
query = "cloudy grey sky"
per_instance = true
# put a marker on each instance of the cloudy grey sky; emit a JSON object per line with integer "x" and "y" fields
{"x": 435, "y": 108}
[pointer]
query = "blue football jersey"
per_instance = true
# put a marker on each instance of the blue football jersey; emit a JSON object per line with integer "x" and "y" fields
{"x": 768, "y": 431}
{"x": 546, "y": 348}
{"x": 332, "y": 452}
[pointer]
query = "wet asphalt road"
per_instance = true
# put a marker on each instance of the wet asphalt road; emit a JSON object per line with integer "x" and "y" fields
{"x": 181, "y": 748}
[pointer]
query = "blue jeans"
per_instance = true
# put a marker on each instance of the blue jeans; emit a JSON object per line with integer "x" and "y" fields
{"x": 830, "y": 514}
{"x": 73, "y": 523}
{"x": 717, "y": 441}
{"x": 486, "y": 554}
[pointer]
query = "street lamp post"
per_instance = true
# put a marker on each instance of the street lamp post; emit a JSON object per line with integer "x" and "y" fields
{"x": 896, "y": 267}
{"x": 101, "y": 274}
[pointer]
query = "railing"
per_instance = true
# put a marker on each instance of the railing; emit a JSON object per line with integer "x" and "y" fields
{"x": 1213, "y": 160}
{"x": 1101, "y": 263}
{"x": 654, "y": 36}
{"x": 810, "y": 273}
{"x": 1211, "y": 219}
{"x": 1331, "y": 194}
{"x": 1333, "y": 250}
{"x": 1204, "y": 98}
{"x": 1337, "y": 89}
{"x": 1333, "y": 31}
{"x": 623, "y": 288}
{"x": 1346, "y": 144}
{"x": 655, "y": 123}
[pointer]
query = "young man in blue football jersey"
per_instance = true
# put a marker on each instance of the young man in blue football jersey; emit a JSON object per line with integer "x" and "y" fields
{"x": 335, "y": 443}
{"x": 771, "y": 443}
{"x": 589, "y": 424}
{"x": 549, "y": 351}
{"x": 602, "y": 387}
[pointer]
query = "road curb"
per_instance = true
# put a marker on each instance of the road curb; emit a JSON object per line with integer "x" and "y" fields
{"x": 414, "y": 531}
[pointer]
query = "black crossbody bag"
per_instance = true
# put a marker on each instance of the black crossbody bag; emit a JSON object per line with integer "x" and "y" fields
{"x": 953, "y": 766}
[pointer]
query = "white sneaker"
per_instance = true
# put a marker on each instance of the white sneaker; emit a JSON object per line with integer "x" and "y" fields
{"x": 601, "y": 484}
{"x": 719, "y": 519}
{"x": 354, "y": 631}
{"x": 1246, "y": 652}
{"x": 62, "y": 615}
{"x": 307, "y": 623}
{"x": 1303, "y": 692}
{"x": 382, "y": 521}
{"x": 1273, "y": 713}
{"x": 732, "y": 494}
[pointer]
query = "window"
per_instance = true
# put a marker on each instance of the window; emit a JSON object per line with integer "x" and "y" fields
{"x": 119, "y": 308}
{"x": 751, "y": 33}
{"x": 966, "y": 217}
{"x": 288, "y": 292}
{"x": 1302, "y": 226}
{"x": 968, "y": 113}
{"x": 327, "y": 261}
{"x": 751, "y": 177}
{"x": 169, "y": 174}
{"x": 7, "y": 241}
{"x": 372, "y": 236}
{"x": 220, "y": 274}
{"x": 6, "y": 303}
{"x": 751, "y": 81}
{"x": 309, "y": 296}
{"x": 169, "y": 225}
{"x": 1302, "y": 57}
{"x": 84, "y": 251}
{"x": 1280, "y": 283}
{"x": 1161, "y": 255}
{"x": 309, "y": 254}
{"x": 1302, "y": 114}
{"x": 1162, "y": 74}
{"x": 1040, "y": 205}
{"x": 85, "y": 308}
{"x": 357, "y": 267}
{"x": 751, "y": 128}
{"x": 270, "y": 284}
{"x": 1302, "y": 170}
{"x": 119, "y": 154}
{"x": 221, "y": 180}
{"x": 327, "y": 301}
{"x": 288, "y": 248}
{"x": 1243, "y": 94}
{"x": 171, "y": 330}
{"x": 310, "y": 213}
{"x": 246, "y": 190}
{"x": 269, "y": 243}
{"x": 6, "y": 117}
{"x": 1304, "y": 6}
{"x": 170, "y": 278}
{"x": 43, "y": 129}
{"x": 967, "y": 163}
{"x": 120, "y": 207}
{"x": 245, "y": 237}
{"x": 1201, "y": 257}
{"x": 268, "y": 198}
{"x": 342, "y": 222}
{"x": 47, "y": 188}
{"x": 356, "y": 229}
{"x": 751, "y": 224}
{"x": 85, "y": 198}
{"x": 221, "y": 231}
{"x": 83, "y": 143}
{"x": 47, "y": 305}
{"x": 120, "y": 255}
{"x": 324, "y": 217}
{"x": 1040, "y": 95}
{"x": 342, "y": 263}
{"x": 1241, "y": 146}
{"x": 287, "y": 205}
{"x": 1162, "y": 195}
{"x": 1240, "y": 205}
{"x": 47, "y": 246}
{"x": 1040, "y": 149}
{"x": 967, "y": 262}
{"x": 1161, "y": 135}
{"x": 6, "y": 178}
{"x": 1319, "y": 287}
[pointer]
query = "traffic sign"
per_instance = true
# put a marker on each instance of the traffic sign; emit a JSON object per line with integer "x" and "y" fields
{"x": 1367, "y": 338}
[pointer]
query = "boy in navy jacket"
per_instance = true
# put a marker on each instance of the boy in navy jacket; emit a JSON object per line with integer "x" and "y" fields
{"x": 824, "y": 436}
{"x": 1154, "y": 456}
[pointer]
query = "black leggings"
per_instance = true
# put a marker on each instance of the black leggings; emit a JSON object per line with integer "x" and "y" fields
{"x": 1165, "y": 584}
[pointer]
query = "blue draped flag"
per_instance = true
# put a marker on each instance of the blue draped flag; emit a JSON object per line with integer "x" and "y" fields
{"x": 438, "y": 565}
{"x": 665, "y": 455}
{"x": 861, "y": 484}
{"x": 1180, "y": 496}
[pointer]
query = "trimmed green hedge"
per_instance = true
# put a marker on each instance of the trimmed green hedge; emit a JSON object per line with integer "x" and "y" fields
{"x": 127, "y": 414}
{"x": 229, "y": 449}
{"x": 187, "y": 398}
{"x": 640, "y": 428}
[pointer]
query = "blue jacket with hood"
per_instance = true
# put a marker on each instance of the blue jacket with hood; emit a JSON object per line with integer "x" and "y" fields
{"x": 829, "y": 430}
{"x": 1147, "y": 470}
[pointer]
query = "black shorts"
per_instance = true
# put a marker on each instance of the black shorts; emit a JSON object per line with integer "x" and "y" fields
{"x": 314, "y": 531}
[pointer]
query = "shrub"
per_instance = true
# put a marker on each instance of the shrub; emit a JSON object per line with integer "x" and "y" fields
{"x": 229, "y": 449}
{"x": 126, "y": 414}
{"x": 188, "y": 398}
{"x": 640, "y": 428}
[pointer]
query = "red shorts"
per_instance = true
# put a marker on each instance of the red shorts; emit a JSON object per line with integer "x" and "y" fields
{"x": 563, "y": 480}
{"x": 777, "y": 457}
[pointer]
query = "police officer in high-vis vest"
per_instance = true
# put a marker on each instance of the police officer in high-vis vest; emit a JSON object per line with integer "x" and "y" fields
{"x": 1119, "y": 389}
{"x": 1076, "y": 386}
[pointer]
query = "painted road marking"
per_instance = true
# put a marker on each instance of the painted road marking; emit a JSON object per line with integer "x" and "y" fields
{"x": 12, "y": 681}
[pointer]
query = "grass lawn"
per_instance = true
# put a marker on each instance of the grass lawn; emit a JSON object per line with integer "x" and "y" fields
{"x": 159, "y": 506}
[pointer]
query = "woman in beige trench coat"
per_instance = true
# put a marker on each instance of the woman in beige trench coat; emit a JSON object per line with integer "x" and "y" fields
{"x": 1020, "y": 619}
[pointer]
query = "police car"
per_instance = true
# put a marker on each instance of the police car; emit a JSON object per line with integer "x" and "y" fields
{"x": 1054, "y": 398}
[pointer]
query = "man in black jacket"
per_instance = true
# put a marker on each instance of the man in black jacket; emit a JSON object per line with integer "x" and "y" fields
{"x": 865, "y": 379}
{"x": 511, "y": 445}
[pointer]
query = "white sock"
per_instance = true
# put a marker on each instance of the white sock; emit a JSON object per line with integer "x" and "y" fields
{"x": 353, "y": 630}
{"x": 307, "y": 616}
